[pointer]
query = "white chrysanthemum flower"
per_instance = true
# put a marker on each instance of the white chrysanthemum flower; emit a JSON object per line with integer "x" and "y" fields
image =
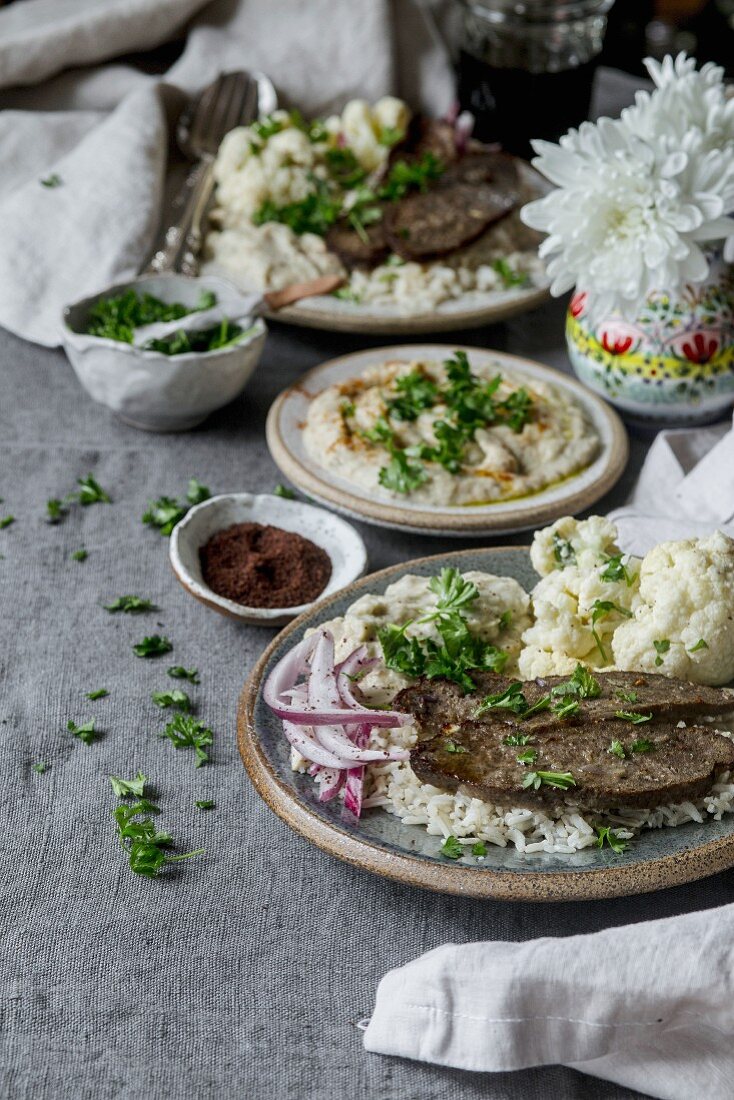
{"x": 636, "y": 198}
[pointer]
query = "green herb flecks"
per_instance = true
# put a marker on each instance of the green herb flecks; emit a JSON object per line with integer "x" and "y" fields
{"x": 642, "y": 745}
{"x": 601, "y": 609}
{"x": 479, "y": 849}
{"x": 40, "y": 767}
{"x": 562, "y": 780}
{"x": 205, "y": 804}
{"x": 451, "y": 848}
{"x": 129, "y": 788}
{"x": 130, "y": 605}
{"x": 54, "y": 180}
{"x": 415, "y": 394}
{"x": 80, "y": 555}
{"x": 98, "y": 693}
{"x": 86, "y": 733}
{"x": 185, "y": 732}
{"x": 197, "y": 493}
{"x": 55, "y": 510}
{"x": 144, "y": 843}
{"x": 632, "y": 716}
{"x": 6, "y": 521}
{"x": 700, "y": 644}
{"x": 626, "y": 696}
{"x": 518, "y": 739}
{"x": 616, "y": 570}
{"x": 563, "y": 552}
{"x": 90, "y": 492}
{"x": 165, "y": 512}
{"x": 453, "y": 746}
{"x": 662, "y": 646}
{"x": 178, "y": 672}
{"x": 176, "y": 698}
{"x": 153, "y": 646}
{"x": 606, "y": 835}
{"x": 529, "y": 756}
{"x": 284, "y": 492}
{"x": 581, "y": 684}
{"x": 616, "y": 748}
{"x": 117, "y": 318}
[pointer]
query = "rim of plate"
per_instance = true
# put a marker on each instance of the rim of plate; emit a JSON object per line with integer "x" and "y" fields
{"x": 502, "y": 517}
{"x": 645, "y": 876}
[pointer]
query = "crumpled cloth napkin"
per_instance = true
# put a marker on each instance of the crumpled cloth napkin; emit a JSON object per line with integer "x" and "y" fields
{"x": 103, "y": 127}
{"x": 685, "y": 489}
{"x": 648, "y": 1006}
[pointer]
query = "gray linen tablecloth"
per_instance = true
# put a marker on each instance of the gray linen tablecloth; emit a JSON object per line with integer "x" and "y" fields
{"x": 243, "y": 972}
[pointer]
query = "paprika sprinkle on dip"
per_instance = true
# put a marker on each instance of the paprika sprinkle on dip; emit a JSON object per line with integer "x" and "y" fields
{"x": 260, "y": 566}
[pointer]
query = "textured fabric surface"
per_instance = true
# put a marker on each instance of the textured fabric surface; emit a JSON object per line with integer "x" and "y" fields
{"x": 243, "y": 972}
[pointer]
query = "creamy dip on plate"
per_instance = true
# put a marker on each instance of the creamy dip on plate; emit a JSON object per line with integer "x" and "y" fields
{"x": 500, "y": 462}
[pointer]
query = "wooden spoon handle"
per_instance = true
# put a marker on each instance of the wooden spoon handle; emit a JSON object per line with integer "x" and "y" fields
{"x": 277, "y": 299}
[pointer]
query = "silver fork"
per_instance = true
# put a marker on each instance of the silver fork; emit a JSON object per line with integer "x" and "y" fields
{"x": 233, "y": 99}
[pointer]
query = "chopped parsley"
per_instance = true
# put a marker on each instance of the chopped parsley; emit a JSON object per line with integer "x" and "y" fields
{"x": 527, "y": 757}
{"x": 91, "y": 492}
{"x": 642, "y": 745}
{"x": 505, "y": 619}
{"x": 86, "y": 733}
{"x": 153, "y": 646}
{"x": 131, "y": 605}
{"x": 600, "y": 609}
{"x": 566, "y": 709}
{"x": 129, "y": 788}
{"x": 196, "y": 493}
{"x": 563, "y": 552}
{"x": 55, "y": 510}
{"x": 6, "y": 521}
{"x": 177, "y": 699}
{"x": 316, "y": 213}
{"x": 205, "y": 804}
{"x": 144, "y": 844}
{"x": 99, "y": 693}
{"x": 661, "y": 646}
{"x": 186, "y": 732}
{"x": 40, "y": 767}
{"x": 452, "y": 746}
{"x": 518, "y": 739}
{"x": 562, "y": 780}
{"x": 513, "y": 699}
{"x": 626, "y": 696}
{"x": 617, "y": 749}
{"x": 700, "y": 644}
{"x": 178, "y": 672}
{"x": 284, "y": 492}
{"x": 508, "y": 275}
{"x": 221, "y": 335}
{"x": 616, "y": 570}
{"x": 479, "y": 849}
{"x": 54, "y": 180}
{"x": 166, "y": 512}
{"x": 400, "y": 475}
{"x": 581, "y": 683}
{"x": 606, "y": 835}
{"x": 632, "y": 716}
{"x": 451, "y": 848}
{"x": 405, "y": 176}
{"x": 415, "y": 393}
{"x": 117, "y": 318}
{"x": 80, "y": 555}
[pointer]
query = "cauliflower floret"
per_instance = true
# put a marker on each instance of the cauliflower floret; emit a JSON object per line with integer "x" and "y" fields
{"x": 392, "y": 113}
{"x": 686, "y": 597}
{"x": 568, "y": 541}
{"x": 540, "y": 662}
{"x": 363, "y": 127}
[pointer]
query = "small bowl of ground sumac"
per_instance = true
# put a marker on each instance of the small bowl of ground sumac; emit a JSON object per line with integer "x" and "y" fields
{"x": 264, "y": 559}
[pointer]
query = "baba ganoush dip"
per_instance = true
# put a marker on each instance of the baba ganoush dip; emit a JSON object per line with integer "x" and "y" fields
{"x": 448, "y": 433}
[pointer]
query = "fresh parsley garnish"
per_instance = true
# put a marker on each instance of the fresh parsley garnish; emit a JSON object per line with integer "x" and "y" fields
{"x": 700, "y": 644}
{"x": 566, "y": 709}
{"x": 6, "y": 521}
{"x": 511, "y": 699}
{"x": 616, "y": 570}
{"x": 505, "y": 619}
{"x": 284, "y": 492}
{"x": 144, "y": 843}
{"x": 626, "y": 696}
{"x": 166, "y": 512}
{"x": 508, "y": 275}
{"x": 54, "y": 180}
{"x": 661, "y": 646}
{"x": 186, "y": 732}
{"x": 562, "y": 780}
{"x": 131, "y": 605}
{"x": 405, "y": 176}
{"x": 606, "y": 835}
{"x": 479, "y": 849}
{"x": 99, "y": 693}
{"x": 453, "y": 593}
{"x": 175, "y": 698}
{"x": 80, "y": 555}
{"x": 153, "y": 646}
{"x": 86, "y": 733}
{"x": 127, "y": 788}
{"x": 563, "y": 552}
{"x": 617, "y": 749}
{"x": 453, "y": 746}
{"x": 642, "y": 745}
{"x": 316, "y": 213}
{"x": 632, "y": 716}
{"x": 205, "y": 804}
{"x": 55, "y": 510}
{"x": 527, "y": 757}
{"x": 196, "y": 492}
{"x": 178, "y": 672}
{"x": 581, "y": 683}
{"x": 415, "y": 393}
{"x": 518, "y": 739}
{"x": 400, "y": 475}
{"x": 451, "y": 848}
{"x": 40, "y": 767}
{"x": 117, "y": 318}
{"x": 600, "y": 609}
{"x": 91, "y": 492}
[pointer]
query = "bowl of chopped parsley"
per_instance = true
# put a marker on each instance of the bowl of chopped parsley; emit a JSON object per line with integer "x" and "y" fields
{"x": 164, "y": 351}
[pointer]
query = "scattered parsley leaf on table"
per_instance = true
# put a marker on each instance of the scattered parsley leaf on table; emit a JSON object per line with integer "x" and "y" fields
{"x": 196, "y": 492}
{"x": 176, "y": 698}
{"x": 153, "y": 646}
{"x": 99, "y": 693}
{"x": 55, "y": 510}
{"x": 642, "y": 745}
{"x": 40, "y": 767}
{"x": 80, "y": 555}
{"x": 204, "y": 804}
{"x": 178, "y": 672}
{"x": 6, "y": 522}
{"x": 284, "y": 492}
{"x": 130, "y": 604}
{"x": 605, "y": 834}
{"x": 91, "y": 492}
{"x": 54, "y": 180}
{"x": 145, "y": 845}
{"x": 125, "y": 788}
{"x": 186, "y": 732}
{"x": 632, "y": 716}
{"x": 86, "y": 733}
{"x": 479, "y": 849}
{"x": 616, "y": 748}
{"x": 451, "y": 848}
{"x": 164, "y": 514}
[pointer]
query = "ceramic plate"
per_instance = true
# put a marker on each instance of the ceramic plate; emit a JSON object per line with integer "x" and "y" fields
{"x": 380, "y": 843}
{"x": 285, "y": 439}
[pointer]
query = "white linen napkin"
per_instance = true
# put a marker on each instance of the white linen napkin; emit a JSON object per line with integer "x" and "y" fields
{"x": 685, "y": 489}
{"x": 648, "y": 1006}
{"x": 104, "y": 129}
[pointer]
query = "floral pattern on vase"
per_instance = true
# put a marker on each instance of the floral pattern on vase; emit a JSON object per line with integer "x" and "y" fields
{"x": 674, "y": 363}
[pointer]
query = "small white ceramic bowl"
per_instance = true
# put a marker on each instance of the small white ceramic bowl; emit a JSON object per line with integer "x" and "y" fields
{"x": 334, "y": 535}
{"x": 156, "y": 392}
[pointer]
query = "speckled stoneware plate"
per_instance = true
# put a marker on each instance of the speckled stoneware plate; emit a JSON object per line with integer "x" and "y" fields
{"x": 288, "y": 414}
{"x": 380, "y": 843}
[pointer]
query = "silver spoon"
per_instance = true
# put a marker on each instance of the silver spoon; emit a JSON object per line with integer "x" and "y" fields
{"x": 233, "y": 99}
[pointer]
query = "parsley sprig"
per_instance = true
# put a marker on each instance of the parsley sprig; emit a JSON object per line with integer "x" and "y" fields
{"x": 165, "y": 512}
{"x": 145, "y": 844}
{"x": 154, "y": 645}
{"x": 562, "y": 780}
{"x": 131, "y": 605}
{"x": 186, "y": 732}
{"x": 606, "y": 835}
{"x": 601, "y": 609}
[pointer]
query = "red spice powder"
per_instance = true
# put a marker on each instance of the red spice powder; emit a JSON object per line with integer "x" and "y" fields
{"x": 261, "y": 566}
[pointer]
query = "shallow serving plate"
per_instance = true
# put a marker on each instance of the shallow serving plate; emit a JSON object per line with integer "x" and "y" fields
{"x": 285, "y": 439}
{"x": 380, "y": 843}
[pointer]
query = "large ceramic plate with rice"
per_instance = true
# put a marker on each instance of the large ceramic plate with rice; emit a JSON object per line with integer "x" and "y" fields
{"x": 445, "y": 440}
{"x": 450, "y": 840}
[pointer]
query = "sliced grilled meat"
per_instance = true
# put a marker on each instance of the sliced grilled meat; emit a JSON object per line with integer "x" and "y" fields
{"x": 443, "y": 218}
{"x": 679, "y": 764}
{"x": 425, "y": 135}
{"x": 497, "y": 169}
{"x": 358, "y": 250}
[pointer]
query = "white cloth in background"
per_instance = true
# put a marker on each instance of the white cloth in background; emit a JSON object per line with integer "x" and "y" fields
{"x": 649, "y": 1006}
{"x": 104, "y": 128}
{"x": 685, "y": 489}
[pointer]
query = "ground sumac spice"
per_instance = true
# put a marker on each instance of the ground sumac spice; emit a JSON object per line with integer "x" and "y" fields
{"x": 262, "y": 566}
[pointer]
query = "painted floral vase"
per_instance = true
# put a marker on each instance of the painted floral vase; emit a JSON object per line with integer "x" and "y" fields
{"x": 674, "y": 364}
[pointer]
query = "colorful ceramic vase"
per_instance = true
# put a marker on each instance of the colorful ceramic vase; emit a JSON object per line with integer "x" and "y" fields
{"x": 674, "y": 364}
